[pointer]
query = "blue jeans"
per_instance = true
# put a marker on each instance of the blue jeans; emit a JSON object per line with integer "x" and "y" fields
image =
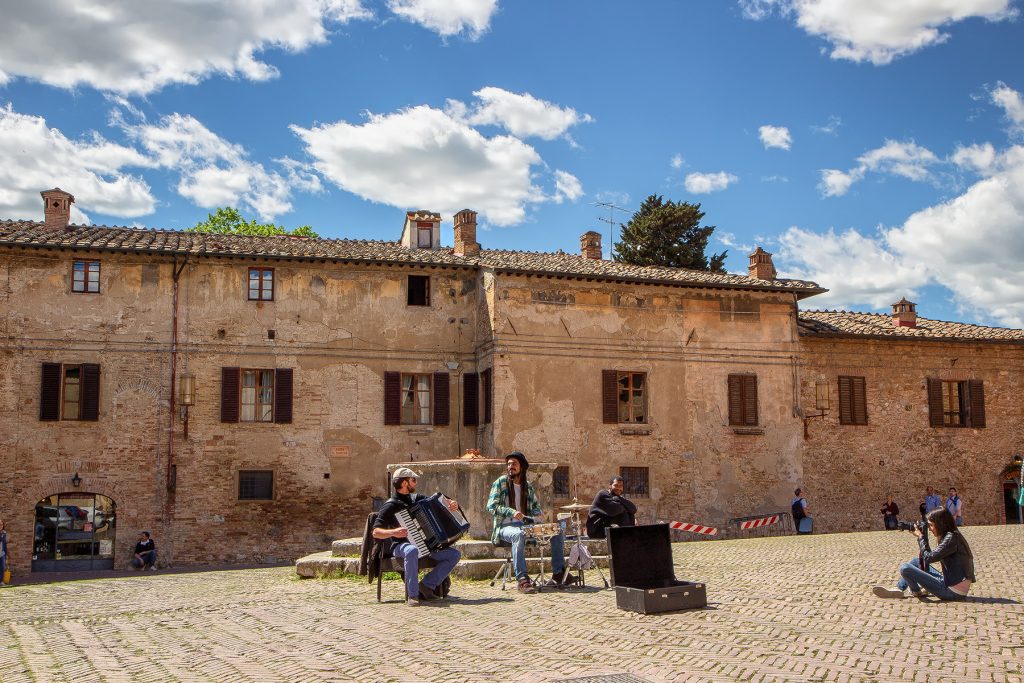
{"x": 915, "y": 578}
{"x": 148, "y": 559}
{"x": 446, "y": 559}
{"x": 513, "y": 533}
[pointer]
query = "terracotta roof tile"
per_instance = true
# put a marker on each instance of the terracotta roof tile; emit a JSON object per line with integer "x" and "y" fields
{"x": 30, "y": 233}
{"x": 880, "y": 325}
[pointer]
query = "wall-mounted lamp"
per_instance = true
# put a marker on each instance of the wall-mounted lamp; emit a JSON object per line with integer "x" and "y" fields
{"x": 821, "y": 404}
{"x": 1018, "y": 460}
{"x": 187, "y": 391}
{"x": 76, "y": 480}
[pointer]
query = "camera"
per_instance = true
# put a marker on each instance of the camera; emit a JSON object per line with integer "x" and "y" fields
{"x": 910, "y": 526}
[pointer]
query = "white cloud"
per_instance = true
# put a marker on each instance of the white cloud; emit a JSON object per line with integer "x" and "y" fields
{"x": 1012, "y": 104}
{"x": 425, "y": 157}
{"x": 523, "y": 115}
{"x": 972, "y": 245}
{"x": 879, "y": 31}
{"x": 215, "y": 172}
{"x": 775, "y": 136}
{"x": 980, "y": 158}
{"x": 567, "y": 186}
{"x": 703, "y": 183}
{"x": 122, "y": 46}
{"x": 905, "y": 159}
{"x": 829, "y": 128}
{"x": 677, "y": 161}
{"x": 35, "y": 157}
{"x": 447, "y": 17}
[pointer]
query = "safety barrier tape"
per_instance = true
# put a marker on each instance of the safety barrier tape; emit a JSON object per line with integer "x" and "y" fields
{"x": 693, "y": 528}
{"x": 764, "y": 521}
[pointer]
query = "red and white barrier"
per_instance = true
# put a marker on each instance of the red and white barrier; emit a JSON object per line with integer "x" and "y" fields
{"x": 764, "y": 521}
{"x": 693, "y": 528}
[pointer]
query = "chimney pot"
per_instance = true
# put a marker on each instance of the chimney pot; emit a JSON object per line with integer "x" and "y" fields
{"x": 590, "y": 245}
{"x": 465, "y": 233}
{"x": 761, "y": 266}
{"x": 904, "y": 313}
{"x": 57, "y": 208}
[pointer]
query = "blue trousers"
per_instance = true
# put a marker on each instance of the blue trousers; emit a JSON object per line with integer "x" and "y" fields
{"x": 513, "y": 533}
{"x": 148, "y": 559}
{"x": 915, "y": 578}
{"x": 446, "y": 560}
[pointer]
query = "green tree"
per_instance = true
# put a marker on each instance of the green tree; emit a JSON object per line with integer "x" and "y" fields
{"x": 228, "y": 221}
{"x": 668, "y": 234}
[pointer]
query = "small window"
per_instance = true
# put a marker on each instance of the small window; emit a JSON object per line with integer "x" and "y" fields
{"x": 954, "y": 409}
{"x": 562, "y": 481}
{"x": 85, "y": 277}
{"x": 416, "y": 399}
{"x": 257, "y": 400}
{"x": 419, "y": 290}
{"x": 743, "y": 400}
{"x": 635, "y": 481}
{"x": 956, "y": 403}
{"x": 256, "y": 485}
{"x": 424, "y": 235}
{"x": 632, "y": 397}
{"x": 261, "y": 284}
{"x": 853, "y": 409}
{"x": 72, "y": 395}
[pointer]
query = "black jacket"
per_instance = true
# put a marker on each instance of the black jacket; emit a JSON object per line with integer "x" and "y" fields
{"x": 608, "y": 509}
{"x": 953, "y": 554}
{"x": 386, "y": 518}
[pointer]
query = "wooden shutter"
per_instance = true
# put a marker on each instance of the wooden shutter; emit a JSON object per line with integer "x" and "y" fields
{"x": 49, "y": 392}
{"x": 90, "y": 406}
{"x": 735, "y": 399}
{"x": 750, "y": 400}
{"x": 392, "y": 398}
{"x": 283, "y": 395}
{"x": 442, "y": 409}
{"x": 470, "y": 399}
{"x": 935, "y": 402}
{"x": 846, "y": 401}
{"x": 229, "y": 379}
{"x": 860, "y": 401}
{"x": 743, "y": 400}
{"x": 976, "y": 393}
{"x": 487, "y": 376}
{"x": 610, "y": 396}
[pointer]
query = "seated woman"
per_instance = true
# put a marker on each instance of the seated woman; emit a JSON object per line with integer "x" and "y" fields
{"x": 952, "y": 552}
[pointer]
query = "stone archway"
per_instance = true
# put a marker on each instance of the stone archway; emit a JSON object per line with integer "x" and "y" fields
{"x": 1011, "y": 485}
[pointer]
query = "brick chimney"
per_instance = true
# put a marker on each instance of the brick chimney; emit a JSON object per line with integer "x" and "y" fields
{"x": 761, "y": 266}
{"x": 590, "y": 245}
{"x": 904, "y": 313}
{"x": 465, "y": 233}
{"x": 57, "y": 208}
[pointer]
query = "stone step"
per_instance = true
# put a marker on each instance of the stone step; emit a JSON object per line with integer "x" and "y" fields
{"x": 470, "y": 549}
{"x": 327, "y": 564}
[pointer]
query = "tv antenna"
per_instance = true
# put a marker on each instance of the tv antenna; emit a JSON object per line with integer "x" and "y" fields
{"x": 611, "y": 222}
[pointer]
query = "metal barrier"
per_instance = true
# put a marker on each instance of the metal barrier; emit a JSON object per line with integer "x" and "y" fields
{"x": 756, "y": 526}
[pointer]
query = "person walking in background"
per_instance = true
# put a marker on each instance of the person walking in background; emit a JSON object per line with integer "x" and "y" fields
{"x": 4, "y": 556}
{"x": 955, "y": 506}
{"x": 799, "y": 509}
{"x": 890, "y": 513}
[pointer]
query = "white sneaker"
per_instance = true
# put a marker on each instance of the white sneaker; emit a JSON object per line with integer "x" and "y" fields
{"x": 152, "y": 567}
{"x": 883, "y": 592}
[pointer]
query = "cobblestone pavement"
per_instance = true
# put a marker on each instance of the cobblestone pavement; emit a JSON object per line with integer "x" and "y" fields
{"x": 781, "y": 609}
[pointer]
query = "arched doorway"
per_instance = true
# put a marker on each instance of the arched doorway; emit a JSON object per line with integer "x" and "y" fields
{"x": 1011, "y": 496}
{"x": 74, "y": 532}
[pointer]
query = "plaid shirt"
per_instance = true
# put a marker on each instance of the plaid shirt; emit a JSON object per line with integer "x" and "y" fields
{"x": 498, "y": 503}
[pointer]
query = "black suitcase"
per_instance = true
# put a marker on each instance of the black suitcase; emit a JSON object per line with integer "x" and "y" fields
{"x": 640, "y": 560}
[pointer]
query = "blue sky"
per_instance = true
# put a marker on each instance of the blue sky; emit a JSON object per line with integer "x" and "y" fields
{"x": 875, "y": 147}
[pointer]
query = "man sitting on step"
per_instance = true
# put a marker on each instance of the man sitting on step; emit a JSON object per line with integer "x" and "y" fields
{"x": 388, "y": 527}
{"x": 512, "y": 498}
{"x": 610, "y": 508}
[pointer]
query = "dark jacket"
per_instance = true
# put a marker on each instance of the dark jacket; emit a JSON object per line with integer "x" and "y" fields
{"x": 953, "y": 554}
{"x": 608, "y": 509}
{"x": 386, "y": 518}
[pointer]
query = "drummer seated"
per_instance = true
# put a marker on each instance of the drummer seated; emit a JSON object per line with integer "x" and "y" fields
{"x": 610, "y": 508}
{"x": 511, "y": 499}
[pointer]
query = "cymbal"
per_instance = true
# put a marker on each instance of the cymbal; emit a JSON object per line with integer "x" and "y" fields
{"x": 575, "y": 506}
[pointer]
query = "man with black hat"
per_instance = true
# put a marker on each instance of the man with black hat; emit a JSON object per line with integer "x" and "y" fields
{"x": 387, "y": 526}
{"x": 512, "y": 498}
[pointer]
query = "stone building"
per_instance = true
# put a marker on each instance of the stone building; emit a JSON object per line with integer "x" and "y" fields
{"x": 240, "y": 397}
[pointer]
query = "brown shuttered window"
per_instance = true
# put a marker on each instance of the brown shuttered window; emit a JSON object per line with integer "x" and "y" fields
{"x": 442, "y": 407}
{"x": 487, "y": 382}
{"x": 935, "y": 417}
{"x": 956, "y": 403}
{"x": 470, "y": 399}
{"x": 976, "y": 394}
{"x": 853, "y": 408}
{"x": 743, "y": 400}
{"x": 610, "y": 397}
{"x": 229, "y": 392}
{"x": 49, "y": 392}
{"x": 90, "y": 397}
{"x": 283, "y": 396}
{"x": 392, "y": 398}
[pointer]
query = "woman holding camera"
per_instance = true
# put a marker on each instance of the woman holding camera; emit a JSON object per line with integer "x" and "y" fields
{"x": 952, "y": 552}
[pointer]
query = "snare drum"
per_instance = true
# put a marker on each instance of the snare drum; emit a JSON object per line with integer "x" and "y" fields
{"x": 543, "y": 530}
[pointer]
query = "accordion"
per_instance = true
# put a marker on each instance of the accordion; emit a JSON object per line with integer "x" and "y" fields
{"x": 432, "y": 526}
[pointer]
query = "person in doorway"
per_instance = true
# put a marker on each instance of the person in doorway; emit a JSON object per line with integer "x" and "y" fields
{"x": 5, "y": 557}
{"x": 890, "y": 513}
{"x": 799, "y": 508}
{"x": 610, "y": 508}
{"x": 387, "y": 526}
{"x": 955, "y": 506}
{"x": 511, "y": 500}
{"x": 145, "y": 552}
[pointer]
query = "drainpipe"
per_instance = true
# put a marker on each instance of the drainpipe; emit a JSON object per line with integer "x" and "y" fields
{"x": 168, "y": 475}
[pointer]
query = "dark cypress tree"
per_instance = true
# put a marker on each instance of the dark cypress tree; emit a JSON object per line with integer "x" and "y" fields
{"x": 668, "y": 234}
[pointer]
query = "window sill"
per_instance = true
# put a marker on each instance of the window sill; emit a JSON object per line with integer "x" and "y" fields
{"x": 748, "y": 431}
{"x": 419, "y": 429}
{"x": 635, "y": 431}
